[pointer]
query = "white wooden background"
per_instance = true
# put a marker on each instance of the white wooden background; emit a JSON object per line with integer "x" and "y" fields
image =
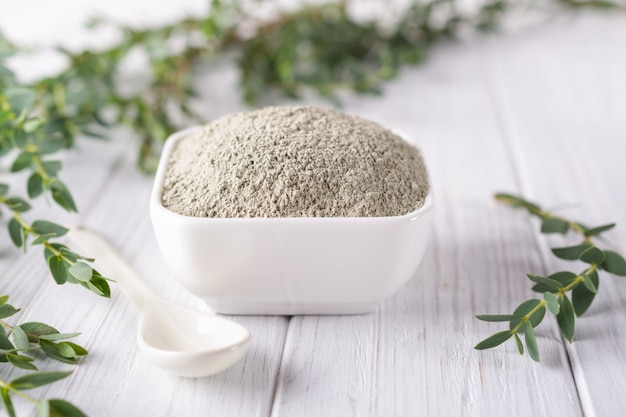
{"x": 539, "y": 111}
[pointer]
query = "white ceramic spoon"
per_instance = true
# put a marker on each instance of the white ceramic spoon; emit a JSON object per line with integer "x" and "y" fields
{"x": 182, "y": 341}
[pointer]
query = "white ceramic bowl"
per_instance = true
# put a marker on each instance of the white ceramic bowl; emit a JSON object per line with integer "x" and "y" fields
{"x": 289, "y": 265}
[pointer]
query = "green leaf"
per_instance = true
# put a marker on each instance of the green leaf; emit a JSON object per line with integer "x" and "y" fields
{"x": 552, "y": 302}
{"x": 62, "y": 195}
{"x": 98, "y": 285}
{"x": 58, "y": 336}
{"x": 38, "y": 329}
{"x": 588, "y": 283}
{"x": 62, "y": 408}
{"x": 51, "y": 145}
{"x": 494, "y": 340}
{"x": 524, "y": 309}
{"x": 6, "y": 401}
{"x": 66, "y": 350}
{"x": 52, "y": 168}
{"x": 22, "y": 161}
{"x": 614, "y": 263}
{"x": 495, "y": 317}
{"x": 593, "y": 255}
{"x": 41, "y": 239}
{"x": 80, "y": 351}
{"x": 5, "y": 343}
{"x": 58, "y": 269}
{"x": 566, "y": 318}
{"x": 551, "y": 283}
{"x": 35, "y": 185}
{"x": 518, "y": 342}
{"x": 21, "y": 361}
{"x": 564, "y": 277}
{"x": 68, "y": 253}
{"x": 16, "y": 232}
{"x": 17, "y": 204}
{"x": 33, "y": 124}
{"x": 7, "y": 310}
{"x": 597, "y": 230}
{"x": 554, "y": 225}
{"x": 516, "y": 201}
{"x": 43, "y": 409}
{"x": 582, "y": 297}
{"x": 44, "y": 227}
{"x": 4, "y": 189}
{"x": 20, "y": 339}
{"x": 570, "y": 253}
{"x": 531, "y": 341}
{"x": 4, "y": 299}
{"x": 39, "y": 379}
{"x": 52, "y": 350}
{"x": 81, "y": 271}
{"x": 20, "y": 99}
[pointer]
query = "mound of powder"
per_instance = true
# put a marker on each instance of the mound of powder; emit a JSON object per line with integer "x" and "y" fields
{"x": 294, "y": 162}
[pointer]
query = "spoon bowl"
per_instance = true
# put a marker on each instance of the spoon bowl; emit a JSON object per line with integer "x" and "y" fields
{"x": 189, "y": 343}
{"x": 177, "y": 339}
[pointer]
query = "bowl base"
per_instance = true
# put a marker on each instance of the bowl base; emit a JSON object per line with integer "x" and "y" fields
{"x": 290, "y": 309}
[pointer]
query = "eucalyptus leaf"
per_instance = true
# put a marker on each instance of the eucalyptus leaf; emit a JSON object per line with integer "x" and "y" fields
{"x": 35, "y": 380}
{"x": 38, "y": 329}
{"x": 44, "y": 227}
{"x": 531, "y": 341}
{"x": 58, "y": 336}
{"x": 552, "y": 302}
{"x": 61, "y": 194}
{"x": 495, "y": 317}
{"x": 20, "y": 339}
{"x": 550, "y": 283}
{"x": 588, "y": 283}
{"x": 81, "y": 271}
{"x": 43, "y": 409}
{"x": 62, "y": 408}
{"x": 58, "y": 269}
{"x": 16, "y": 233}
{"x": 566, "y": 318}
{"x": 494, "y": 340}
{"x": 7, "y": 402}
{"x": 582, "y": 297}
{"x": 614, "y": 263}
{"x": 35, "y": 185}
{"x": 592, "y": 255}
{"x": 7, "y": 310}
{"x": 518, "y": 342}
{"x": 554, "y": 225}
{"x": 21, "y": 361}
{"x": 598, "y": 230}
{"x": 17, "y": 204}
{"x": 571, "y": 253}
{"x": 20, "y": 98}
{"x": 22, "y": 161}
{"x": 51, "y": 349}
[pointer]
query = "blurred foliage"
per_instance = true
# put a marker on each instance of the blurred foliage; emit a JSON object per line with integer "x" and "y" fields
{"x": 320, "y": 48}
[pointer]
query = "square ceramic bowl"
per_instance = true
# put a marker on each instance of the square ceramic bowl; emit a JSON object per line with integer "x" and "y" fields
{"x": 289, "y": 266}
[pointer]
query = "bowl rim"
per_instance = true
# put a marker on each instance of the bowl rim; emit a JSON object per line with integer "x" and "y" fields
{"x": 157, "y": 207}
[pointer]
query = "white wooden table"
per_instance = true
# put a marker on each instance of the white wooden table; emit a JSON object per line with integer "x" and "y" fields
{"x": 540, "y": 111}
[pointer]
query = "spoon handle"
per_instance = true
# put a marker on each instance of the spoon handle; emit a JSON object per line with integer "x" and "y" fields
{"x": 112, "y": 264}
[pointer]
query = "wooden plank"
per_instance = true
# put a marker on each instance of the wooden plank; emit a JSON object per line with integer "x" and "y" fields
{"x": 565, "y": 115}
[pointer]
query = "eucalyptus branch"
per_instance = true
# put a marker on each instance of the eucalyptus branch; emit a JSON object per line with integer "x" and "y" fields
{"x": 582, "y": 286}
{"x": 319, "y": 48}
{"x": 17, "y": 345}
